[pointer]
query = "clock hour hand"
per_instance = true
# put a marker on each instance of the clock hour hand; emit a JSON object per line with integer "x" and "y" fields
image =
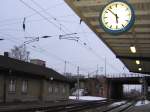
{"x": 117, "y": 18}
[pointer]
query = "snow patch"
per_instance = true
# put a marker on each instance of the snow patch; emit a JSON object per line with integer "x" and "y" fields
{"x": 118, "y": 103}
{"x": 87, "y": 98}
{"x": 141, "y": 103}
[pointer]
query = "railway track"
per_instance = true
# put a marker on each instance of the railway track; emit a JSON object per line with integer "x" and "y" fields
{"x": 77, "y": 107}
{"x": 80, "y": 107}
{"x": 70, "y": 107}
{"x": 120, "y": 108}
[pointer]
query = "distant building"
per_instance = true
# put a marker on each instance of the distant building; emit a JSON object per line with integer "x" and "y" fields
{"x": 92, "y": 86}
{"x": 38, "y": 62}
{"x": 23, "y": 81}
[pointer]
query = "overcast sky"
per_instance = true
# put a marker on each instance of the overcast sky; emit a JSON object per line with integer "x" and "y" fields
{"x": 57, "y": 19}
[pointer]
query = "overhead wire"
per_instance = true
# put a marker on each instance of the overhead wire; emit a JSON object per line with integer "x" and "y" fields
{"x": 32, "y": 48}
{"x": 80, "y": 43}
{"x": 63, "y": 31}
{"x": 44, "y": 17}
{"x": 28, "y": 16}
{"x": 46, "y": 53}
{"x": 50, "y": 15}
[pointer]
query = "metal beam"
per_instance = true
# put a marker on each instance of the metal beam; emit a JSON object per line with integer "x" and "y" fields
{"x": 134, "y": 58}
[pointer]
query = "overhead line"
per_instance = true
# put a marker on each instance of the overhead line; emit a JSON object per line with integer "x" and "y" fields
{"x": 44, "y": 17}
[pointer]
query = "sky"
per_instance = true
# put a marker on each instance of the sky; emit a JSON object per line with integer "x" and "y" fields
{"x": 54, "y": 18}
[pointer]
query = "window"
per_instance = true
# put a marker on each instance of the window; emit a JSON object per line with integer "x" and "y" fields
{"x": 56, "y": 89}
{"x": 12, "y": 85}
{"x": 24, "y": 86}
{"x": 50, "y": 88}
{"x": 64, "y": 90}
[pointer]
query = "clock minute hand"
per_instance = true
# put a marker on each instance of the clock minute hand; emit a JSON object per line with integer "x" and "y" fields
{"x": 114, "y": 15}
{"x": 112, "y": 12}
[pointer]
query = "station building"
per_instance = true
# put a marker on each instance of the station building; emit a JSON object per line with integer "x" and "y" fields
{"x": 23, "y": 81}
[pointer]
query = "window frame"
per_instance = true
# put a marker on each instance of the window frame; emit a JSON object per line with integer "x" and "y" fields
{"x": 24, "y": 86}
{"x": 50, "y": 86}
{"x": 12, "y": 85}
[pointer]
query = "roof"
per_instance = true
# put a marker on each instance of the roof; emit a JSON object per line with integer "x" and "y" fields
{"x": 139, "y": 35}
{"x": 26, "y": 67}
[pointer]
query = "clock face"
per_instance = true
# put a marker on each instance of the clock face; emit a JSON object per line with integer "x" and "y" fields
{"x": 117, "y": 17}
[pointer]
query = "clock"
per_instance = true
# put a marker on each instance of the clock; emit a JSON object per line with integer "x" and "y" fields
{"x": 117, "y": 17}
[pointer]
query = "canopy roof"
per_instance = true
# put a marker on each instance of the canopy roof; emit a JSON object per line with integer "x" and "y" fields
{"x": 139, "y": 35}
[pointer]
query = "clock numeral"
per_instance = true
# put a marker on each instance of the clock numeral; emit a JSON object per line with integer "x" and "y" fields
{"x": 116, "y": 5}
{"x": 106, "y": 23}
{"x": 116, "y": 26}
{"x": 110, "y": 7}
{"x": 106, "y": 12}
{"x": 111, "y": 26}
{"x": 127, "y": 20}
{"x": 105, "y": 17}
{"x": 122, "y": 25}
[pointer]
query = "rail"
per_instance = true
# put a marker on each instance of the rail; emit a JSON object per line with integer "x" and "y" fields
{"x": 69, "y": 107}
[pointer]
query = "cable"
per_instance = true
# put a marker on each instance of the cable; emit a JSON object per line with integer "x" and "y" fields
{"x": 44, "y": 17}
{"x": 28, "y": 16}
{"x": 54, "y": 18}
{"x": 48, "y": 53}
{"x": 59, "y": 23}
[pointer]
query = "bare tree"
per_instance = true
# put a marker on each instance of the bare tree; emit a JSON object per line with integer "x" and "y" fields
{"x": 20, "y": 53}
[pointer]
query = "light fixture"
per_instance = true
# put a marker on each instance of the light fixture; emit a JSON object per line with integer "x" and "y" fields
{"x": 138, "y": 62}
{"x": 140, "y": 69}
{"x": 133, "y": 49}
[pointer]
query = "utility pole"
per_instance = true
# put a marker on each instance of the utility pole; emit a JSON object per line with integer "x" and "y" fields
{"x": 105, "y": 67}
{"x": 97, "y": 70}
{"x": 78, "y": 83}
{"x": 65, "y": 68}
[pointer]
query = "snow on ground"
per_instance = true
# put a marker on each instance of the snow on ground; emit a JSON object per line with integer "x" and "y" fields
{"x": 117, "y": 103}
{"x": 141, "y": 103}
{"x": 87, "y": 98}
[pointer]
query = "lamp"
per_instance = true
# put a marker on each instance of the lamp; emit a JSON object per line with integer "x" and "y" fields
{"x": 133, "y": 49}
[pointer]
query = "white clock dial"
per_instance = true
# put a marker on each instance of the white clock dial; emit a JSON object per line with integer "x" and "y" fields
{"x": 116, "y": 16}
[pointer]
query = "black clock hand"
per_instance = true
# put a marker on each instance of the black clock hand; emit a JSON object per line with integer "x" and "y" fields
{"x": 117, "y": 18}
{"x": 112, "y": 12}
{"x": 114, "y": 15}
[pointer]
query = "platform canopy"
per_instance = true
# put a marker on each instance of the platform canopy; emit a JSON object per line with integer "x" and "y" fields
{"x": 139, "y": 35}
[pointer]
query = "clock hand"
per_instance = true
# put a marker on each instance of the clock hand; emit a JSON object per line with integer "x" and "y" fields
{"x": 112, "y": 12}
{"x": 114, "y": 15}
{"x": 117, "y": 18}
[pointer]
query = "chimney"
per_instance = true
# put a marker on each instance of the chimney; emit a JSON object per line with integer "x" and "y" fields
{"x": 6, "y": 54}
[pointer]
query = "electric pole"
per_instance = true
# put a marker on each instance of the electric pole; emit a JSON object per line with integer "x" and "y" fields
{"x": 105, "y": 67}
{"x": 65, "y": 68}
{"x": 78, "y": 83}
{"x": 97, "y": 70}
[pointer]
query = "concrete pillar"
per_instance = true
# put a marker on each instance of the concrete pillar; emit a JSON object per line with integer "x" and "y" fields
{"x": 145, "y": 88}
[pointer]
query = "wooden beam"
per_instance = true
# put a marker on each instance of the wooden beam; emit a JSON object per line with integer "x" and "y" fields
{"x": 134, "y": 58}
{"x": 137, "y": 22}
{"x": 142, "y": 72}
{"x": 94, "y": 14}
{"x": 93, "y": 3}
{"x": 137, "y": 30}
